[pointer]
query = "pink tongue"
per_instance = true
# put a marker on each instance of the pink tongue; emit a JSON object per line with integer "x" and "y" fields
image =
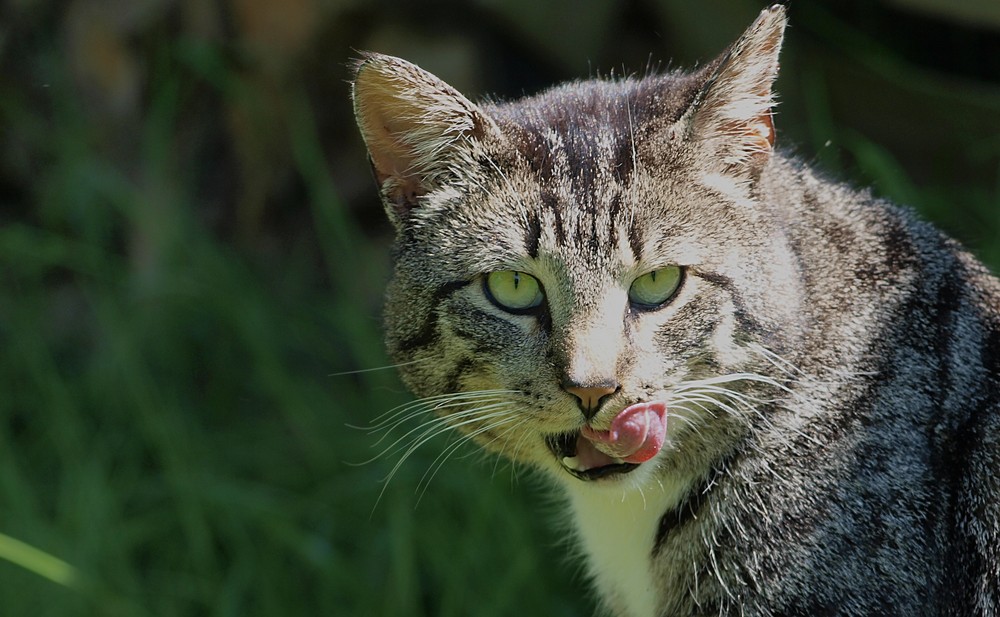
{"x": 635, "y": 436}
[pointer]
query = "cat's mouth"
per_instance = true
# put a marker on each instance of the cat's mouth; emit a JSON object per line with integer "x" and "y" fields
{"x": 580, "y": 458}
{"x": 635, "y": 436}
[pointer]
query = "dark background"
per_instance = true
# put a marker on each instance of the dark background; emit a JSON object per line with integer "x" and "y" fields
{"x": 192, "y": 255}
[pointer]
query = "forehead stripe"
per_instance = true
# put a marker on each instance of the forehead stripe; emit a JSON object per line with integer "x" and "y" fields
{"x": 532, "y": 235}
{"x": 551, "y": 204}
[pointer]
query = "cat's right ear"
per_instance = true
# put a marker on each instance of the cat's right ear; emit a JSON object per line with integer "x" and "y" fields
{"x": 419, "y": 130}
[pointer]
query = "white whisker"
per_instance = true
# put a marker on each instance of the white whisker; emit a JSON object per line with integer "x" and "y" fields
{"x": 377, "y": 368}
{"x": 717, "y": 393}
{"x": 427, "y": 403}
{"x": 507, "y": 434}
{"x": 469, "y": 413}
{"x": 414, "y": 412}
{"x": 426, "y": 426}
{"x": 434, "y": 427}
{"x": 436, "y": 465}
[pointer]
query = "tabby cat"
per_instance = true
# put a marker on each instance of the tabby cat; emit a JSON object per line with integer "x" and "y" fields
{"x": 762, "y": 392}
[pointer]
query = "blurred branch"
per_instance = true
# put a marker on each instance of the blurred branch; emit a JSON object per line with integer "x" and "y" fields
{"x": 39, "y": 562}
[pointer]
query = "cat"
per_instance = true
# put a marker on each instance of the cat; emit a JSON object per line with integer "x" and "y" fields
{"x": 762, "y": 392}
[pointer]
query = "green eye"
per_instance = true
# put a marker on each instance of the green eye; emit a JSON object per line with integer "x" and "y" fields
{"x": 654, "y": 288}
{"x": 513, "y": 291}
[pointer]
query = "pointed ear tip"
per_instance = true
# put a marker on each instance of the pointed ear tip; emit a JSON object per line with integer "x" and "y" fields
{"x": 373, "y": 75}
{"x": 368, "y": 62}
{"x": 766, "y": 33}
{"x": 368, "y": 84}
{"x": 776, "y": 11}
{"x": 774, "y": 17}
{"x": 364, "y": 61}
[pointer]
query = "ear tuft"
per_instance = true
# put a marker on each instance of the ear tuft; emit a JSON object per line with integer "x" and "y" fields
{"x": 417, "y": 128}
{"x": 731, "y": 116}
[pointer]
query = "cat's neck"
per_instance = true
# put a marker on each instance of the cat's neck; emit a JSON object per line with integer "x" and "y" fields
{"x": 617, "y": 526}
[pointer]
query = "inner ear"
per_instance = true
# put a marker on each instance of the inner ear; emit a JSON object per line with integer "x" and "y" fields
{"x": 394, "y": 162}
{"x": 389, "y": 134}
{"x": 760, "y": 127}
{"x": 400, "y": 191}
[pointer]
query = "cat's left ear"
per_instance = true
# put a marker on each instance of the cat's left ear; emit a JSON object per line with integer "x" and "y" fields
{"x": 420, "y": 131}
{"x": 730, "y": 119}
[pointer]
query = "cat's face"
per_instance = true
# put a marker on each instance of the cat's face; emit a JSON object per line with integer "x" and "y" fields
{"x": 585, "y": 263}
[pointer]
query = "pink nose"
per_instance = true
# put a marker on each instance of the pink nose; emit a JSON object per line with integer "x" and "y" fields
{"x": 589, "y": 397}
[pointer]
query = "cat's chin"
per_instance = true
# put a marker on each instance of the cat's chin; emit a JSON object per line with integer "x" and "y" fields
{"x": 582, "y": 462}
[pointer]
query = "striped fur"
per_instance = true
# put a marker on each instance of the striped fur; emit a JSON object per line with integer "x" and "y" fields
{"x": 830, "y": 364}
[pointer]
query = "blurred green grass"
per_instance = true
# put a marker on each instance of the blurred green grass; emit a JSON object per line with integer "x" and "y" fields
{"x": 190, "y": 277}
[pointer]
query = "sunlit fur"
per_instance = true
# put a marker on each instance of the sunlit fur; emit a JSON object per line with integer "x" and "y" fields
{"x": 829, "y": 363}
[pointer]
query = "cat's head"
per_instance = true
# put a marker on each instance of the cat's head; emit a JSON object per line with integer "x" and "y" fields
{"x": 584, "y": 259}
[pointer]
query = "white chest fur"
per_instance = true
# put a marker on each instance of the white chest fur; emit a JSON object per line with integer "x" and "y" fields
{"x": 617, "y": 524}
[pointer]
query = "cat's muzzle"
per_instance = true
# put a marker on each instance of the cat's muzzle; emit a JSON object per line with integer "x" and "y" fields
{"x": 635, "y": 435}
